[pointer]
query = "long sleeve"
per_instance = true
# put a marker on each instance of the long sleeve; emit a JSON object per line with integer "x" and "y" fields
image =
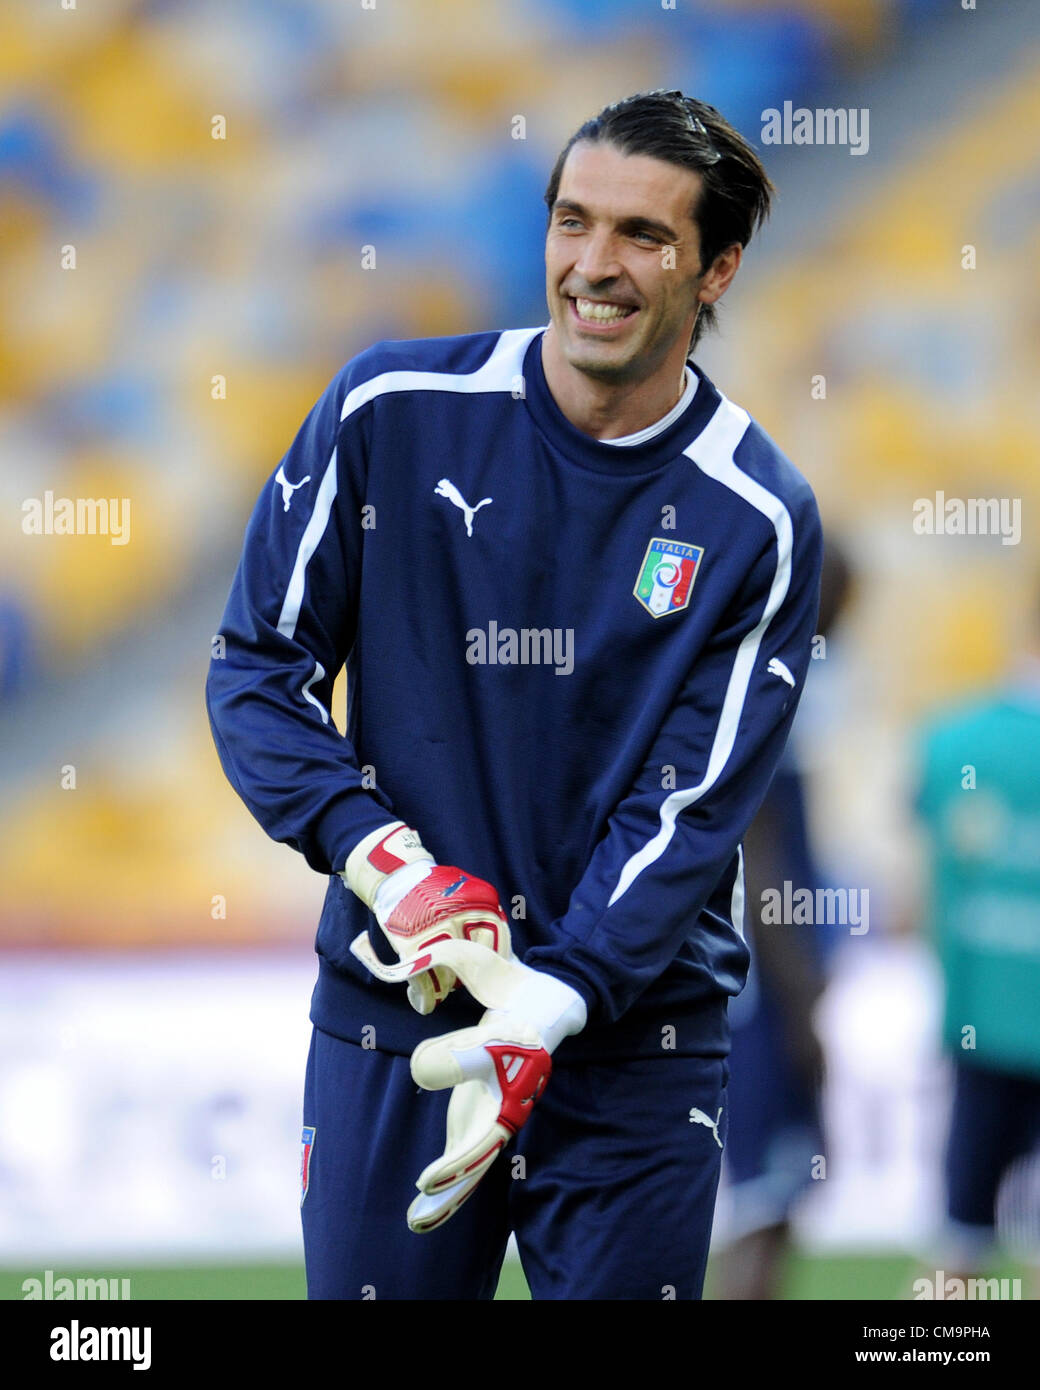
{"x": 675, "y": 838}
{"x": 289, "y": 625}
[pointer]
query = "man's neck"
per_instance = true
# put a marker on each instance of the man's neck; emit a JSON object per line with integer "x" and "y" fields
{"x": 604, "y": 409}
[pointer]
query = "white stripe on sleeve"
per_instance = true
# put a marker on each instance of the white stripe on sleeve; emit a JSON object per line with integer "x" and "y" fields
{"x": 736, "y": 905}
{"x": 309, "y": 542}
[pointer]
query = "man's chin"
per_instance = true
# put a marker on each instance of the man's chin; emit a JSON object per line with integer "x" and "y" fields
{"x": 606, "y": 361}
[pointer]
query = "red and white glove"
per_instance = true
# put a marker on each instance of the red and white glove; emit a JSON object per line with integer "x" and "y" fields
{"x": 497, "y": 1069}
{"x": 418, "y": 902}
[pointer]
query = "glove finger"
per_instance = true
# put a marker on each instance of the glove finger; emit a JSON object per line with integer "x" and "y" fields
{"x": 469, "y": 1165}
{"x": 427, "y": 990}
{"x": 444, "y": 1061}
{"x": 431, "y": 1210}
{"x": 490, "y": 932}
{"x": 474, "y": 1138}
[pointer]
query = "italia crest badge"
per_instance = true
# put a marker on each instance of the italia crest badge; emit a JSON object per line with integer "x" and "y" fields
{"x": 307, "y": 1143}
{"x": 666, "y": 576}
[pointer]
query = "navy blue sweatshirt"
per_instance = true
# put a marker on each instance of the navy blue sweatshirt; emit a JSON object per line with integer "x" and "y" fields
{"x": 571, "y": 667}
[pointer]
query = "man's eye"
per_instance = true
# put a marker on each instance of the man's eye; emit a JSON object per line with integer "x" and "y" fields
{"x": 649, "y": 236}
{"x": 568, "y": 222}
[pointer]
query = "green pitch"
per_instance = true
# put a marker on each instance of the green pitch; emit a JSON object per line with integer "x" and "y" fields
{"x": 808, "y": 1277}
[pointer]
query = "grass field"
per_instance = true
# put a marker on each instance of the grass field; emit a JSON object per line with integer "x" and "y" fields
{"x": 808, "y": 1277}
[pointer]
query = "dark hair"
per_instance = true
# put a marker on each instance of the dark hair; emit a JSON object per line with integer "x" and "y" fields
{"x": 736, "y": 192}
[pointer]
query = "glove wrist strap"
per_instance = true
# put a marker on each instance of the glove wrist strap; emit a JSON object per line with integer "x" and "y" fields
{"x": 397, "y": 886}
{"x": 381, "y": 854}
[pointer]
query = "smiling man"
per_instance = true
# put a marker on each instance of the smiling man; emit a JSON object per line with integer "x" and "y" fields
{"x": 624, "y": 287}
{"x": 574, "y": 588}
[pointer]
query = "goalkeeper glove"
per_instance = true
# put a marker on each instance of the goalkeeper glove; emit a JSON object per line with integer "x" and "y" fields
{"x": 418, "y": 902}
{"x": 497, "y": 1069}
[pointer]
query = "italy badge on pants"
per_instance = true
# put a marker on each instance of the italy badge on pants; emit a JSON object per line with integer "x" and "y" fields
{"x": 307, "y": 1140}
{"x": 667, "y": 575}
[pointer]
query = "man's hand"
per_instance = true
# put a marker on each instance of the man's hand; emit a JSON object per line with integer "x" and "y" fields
{"x": 497, "y": 1069}
{"x": 417, "y": 903}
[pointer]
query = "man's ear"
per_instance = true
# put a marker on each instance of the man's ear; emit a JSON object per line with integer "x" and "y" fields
{"x": 716, "y": 279}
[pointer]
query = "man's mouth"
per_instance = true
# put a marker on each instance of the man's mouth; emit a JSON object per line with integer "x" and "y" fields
{"x": 600, "y": 311}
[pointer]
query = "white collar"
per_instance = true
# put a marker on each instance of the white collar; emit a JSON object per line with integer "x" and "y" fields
{"x": 642, "y": 436}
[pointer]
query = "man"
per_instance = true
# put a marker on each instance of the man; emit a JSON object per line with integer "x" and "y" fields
{"x": 574, "y": 588}
{"x": 979, "y": 798}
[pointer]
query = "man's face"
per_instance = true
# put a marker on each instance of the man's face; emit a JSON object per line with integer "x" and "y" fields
{"x": 622, "y": 234}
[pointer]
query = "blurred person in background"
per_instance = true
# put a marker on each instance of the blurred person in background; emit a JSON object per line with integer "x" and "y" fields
{"x": 776, "y": 1061}
{"x": 17, "y": 648}
{"x": 979, "y": 799}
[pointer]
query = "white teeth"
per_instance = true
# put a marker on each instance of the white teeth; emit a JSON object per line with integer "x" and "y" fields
{"x": 593, "y": 309}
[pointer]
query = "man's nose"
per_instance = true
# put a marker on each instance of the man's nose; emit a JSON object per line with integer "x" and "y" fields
{"x": 598, "y": 260}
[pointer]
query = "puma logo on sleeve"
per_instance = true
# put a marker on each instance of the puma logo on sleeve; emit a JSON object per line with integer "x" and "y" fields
{"x": 777, "y": 668}
{"x": 288, "y": 488}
